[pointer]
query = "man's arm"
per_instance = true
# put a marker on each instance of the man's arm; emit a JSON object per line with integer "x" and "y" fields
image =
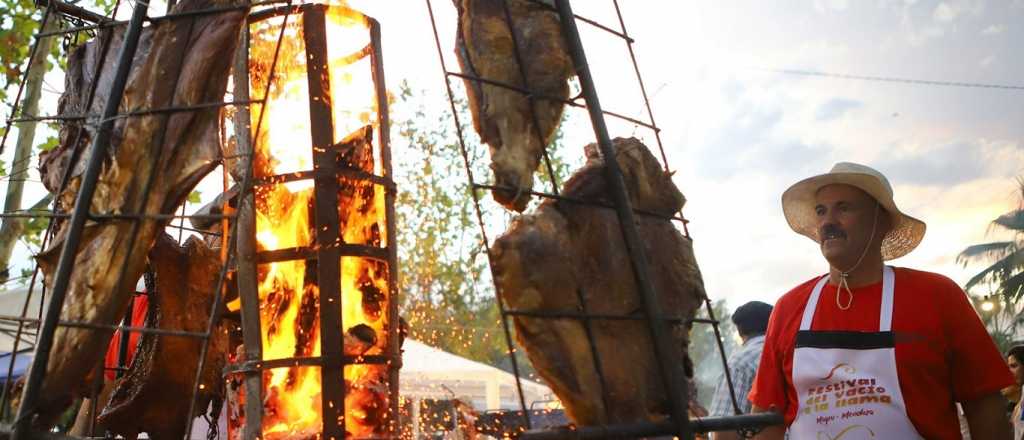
{"x": 771, "y": 432}
{"x": 986, "y": 417}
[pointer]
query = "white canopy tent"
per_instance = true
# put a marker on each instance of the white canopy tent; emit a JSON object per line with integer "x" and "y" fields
{"x": 431, "y": 373}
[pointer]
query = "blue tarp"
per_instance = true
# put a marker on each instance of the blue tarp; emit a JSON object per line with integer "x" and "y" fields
{"x": 21, "y": 363}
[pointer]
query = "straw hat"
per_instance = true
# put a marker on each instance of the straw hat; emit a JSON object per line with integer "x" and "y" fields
{"x": 798, "y": 206}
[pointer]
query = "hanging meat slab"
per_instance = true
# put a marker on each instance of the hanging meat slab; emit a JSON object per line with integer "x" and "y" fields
{"x": 502, "y": 116}
{"x": 550, "y": 258}
{"x": 154, "y": 396}
{"x": 187, "y": 63}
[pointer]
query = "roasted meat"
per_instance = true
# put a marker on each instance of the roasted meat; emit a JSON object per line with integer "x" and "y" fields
{"x": 565, "y": 251}
{"x": 154, "y": 396}
{"x": 153, "y": 162}
{"x": 502, "y": 116}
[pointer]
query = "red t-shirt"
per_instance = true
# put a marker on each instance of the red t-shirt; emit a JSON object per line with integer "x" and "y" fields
{"x": 943, "y": 352}
{"x": 138, "y": 320}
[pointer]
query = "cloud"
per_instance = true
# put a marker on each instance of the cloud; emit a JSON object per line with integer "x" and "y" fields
{"x": 831, "y": 5}
{"x": 836, "y": 108}
{"x": 953, "y": 163}
{"x": 994, "y": 29}
{"x": 944, "y": 13}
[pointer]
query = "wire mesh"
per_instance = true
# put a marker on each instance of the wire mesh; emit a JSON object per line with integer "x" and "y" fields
{"x": 584, "y": 316}
{"x": 73, "y": 19}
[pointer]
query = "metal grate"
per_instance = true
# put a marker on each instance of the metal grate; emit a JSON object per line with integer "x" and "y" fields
{"x": 240, "y": 262}
{"x": 679, "y": 423}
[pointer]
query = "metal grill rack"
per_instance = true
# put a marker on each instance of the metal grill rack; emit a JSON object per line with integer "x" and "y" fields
{"x": 658, "y": 323}
{"x": 240, "y": 262}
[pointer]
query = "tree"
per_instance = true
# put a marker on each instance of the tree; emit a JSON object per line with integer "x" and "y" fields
{"x": 1002, "y": 318}
{"x": 19, "y": 23}
{"x": 448, "y": 295}
{"x": 708, "y": 370}
{"x": 1005, "y": 276}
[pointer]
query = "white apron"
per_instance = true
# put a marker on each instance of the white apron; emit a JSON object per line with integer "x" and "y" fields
{"x": 846, "y": 382}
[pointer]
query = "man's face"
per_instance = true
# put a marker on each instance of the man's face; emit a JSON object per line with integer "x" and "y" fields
{"x": 845, "y": 217}
{"x": 1016, "y": 368}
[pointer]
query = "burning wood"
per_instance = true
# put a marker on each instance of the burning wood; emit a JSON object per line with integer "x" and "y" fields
{"x": 290, "y": 302}
{"x": 153, "y": 396}
{"x": 501, "y": 116}
{"x": 202, "y": 46}
{"x": 286, "y": 211}
{"x": 548, "y": 259}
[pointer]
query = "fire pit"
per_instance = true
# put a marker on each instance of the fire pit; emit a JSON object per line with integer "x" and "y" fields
{"x": 316, "y": 273}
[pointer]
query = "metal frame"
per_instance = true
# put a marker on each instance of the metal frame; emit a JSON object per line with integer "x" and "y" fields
{"x": 325, "y": 249}
{"x": 241, "y": 226}
{"x": 679, "y": 424}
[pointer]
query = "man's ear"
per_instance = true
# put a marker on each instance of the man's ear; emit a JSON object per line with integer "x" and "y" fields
{"x": 884, "y": 221}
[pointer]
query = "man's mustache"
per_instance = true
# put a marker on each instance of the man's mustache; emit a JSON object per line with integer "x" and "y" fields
{"x": 831, "y": 231}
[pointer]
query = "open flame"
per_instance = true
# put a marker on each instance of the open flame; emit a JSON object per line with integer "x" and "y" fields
{"x": 289, "y": 296}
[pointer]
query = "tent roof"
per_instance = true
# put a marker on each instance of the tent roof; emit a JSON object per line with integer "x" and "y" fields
{"x": 421, "y": 359}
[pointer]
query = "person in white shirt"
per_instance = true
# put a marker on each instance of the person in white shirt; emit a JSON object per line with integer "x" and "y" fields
{"x": 751, "y": 320}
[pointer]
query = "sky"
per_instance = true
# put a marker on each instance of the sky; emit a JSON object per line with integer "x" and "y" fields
{"x": 737, "y": 131}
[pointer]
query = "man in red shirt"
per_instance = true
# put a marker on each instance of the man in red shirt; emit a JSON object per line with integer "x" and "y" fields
{"x": 869, "y": 350}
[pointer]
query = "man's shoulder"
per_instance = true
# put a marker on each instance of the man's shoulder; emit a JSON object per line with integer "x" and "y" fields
{"x": 922, "y": 275}
{"x": 936, "y": 284}
{"x": 796, "y": 298}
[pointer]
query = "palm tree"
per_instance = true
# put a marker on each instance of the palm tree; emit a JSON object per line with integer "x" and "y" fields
{"x": 1006, "y": 274}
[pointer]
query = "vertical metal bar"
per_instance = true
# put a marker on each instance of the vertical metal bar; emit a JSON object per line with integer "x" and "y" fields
{"x": 244, "y": 187}
{"x": 640, "y": 81}
{"x": 78, "y": 217}
{"x": 325, "y": 190}
{"x": 480, "y": 220}
{"x": 594, "y": 352}
{"x": 245, "y": 242}
{"x": 721, "y": 352}
{"x": 516, "y": 52}
{"x": 48, "y": 14}
{"x": 668, "y": 363}
{"x": 125, "y": 339}
{"x": 384, "y": 140}
{"x": 647, "y": 100}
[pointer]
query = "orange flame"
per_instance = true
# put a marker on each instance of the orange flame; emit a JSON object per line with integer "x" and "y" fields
{"x": 289, "y": 297}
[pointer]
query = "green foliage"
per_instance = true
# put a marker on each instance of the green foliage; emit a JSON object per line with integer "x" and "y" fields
{"x": 194, "y": 197}
{"x": 448, "y": 296}
{"x": 1002, "y": 321}
{"x": 708, "y": 370}
{"x": 447, "y": 299}
{"x": 1005, "y": 274}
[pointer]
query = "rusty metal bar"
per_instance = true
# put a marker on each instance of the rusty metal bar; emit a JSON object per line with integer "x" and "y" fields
{"x": 517, "y": 55}
{"x": 312, "y": 253}
{"x": 73, "y": 11}
{"x": 569, "y": 102}
{"x": 303, "y": 361}
{"x": 125, "y": 339}
{"x": 393, "y": 350}
{"x": 94, "y": 326}
{"x": 75, "y": 228}
{"x": 245, "y": 245}
{"x": 579, "y": 315}
{"x": 479, "y": 215}
{"x": 350, "y": 173}
{"x": 325, "y": 192}
{"x": 655, "y": 429}
{"x": 594, "y": 203}
{"x": 668, "y": 358}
